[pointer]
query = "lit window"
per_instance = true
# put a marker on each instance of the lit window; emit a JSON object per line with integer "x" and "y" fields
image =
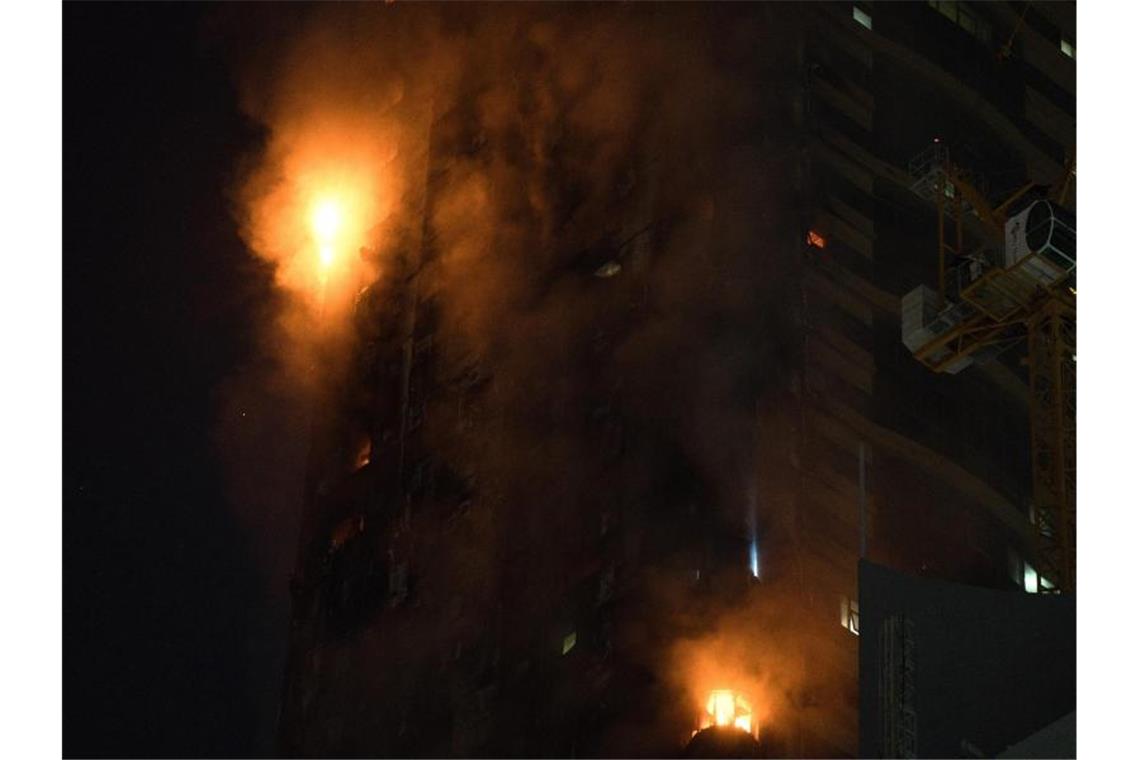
{"x": 1030, "y": 578}
{"x": 1068, "y": 49}
{"x": 363, "y": 453}
{"x": 568, "y": 641}
{"x": 963, "y": 17}
{"x": 1027, "y": 577}
{"x": 862, "y": 17}
{"x": 849, "y": 615}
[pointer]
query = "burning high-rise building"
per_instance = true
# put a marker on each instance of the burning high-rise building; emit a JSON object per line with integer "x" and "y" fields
{"x": 628, "y": 399}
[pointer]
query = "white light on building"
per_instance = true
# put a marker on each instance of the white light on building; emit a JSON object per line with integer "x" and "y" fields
{"x": 1030, "y": 579}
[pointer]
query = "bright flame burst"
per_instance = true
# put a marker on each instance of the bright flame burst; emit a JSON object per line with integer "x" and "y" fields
{"x": 328, "y": 218}
{"x": 330, "y": 184}
{"x": 726, "y": 707}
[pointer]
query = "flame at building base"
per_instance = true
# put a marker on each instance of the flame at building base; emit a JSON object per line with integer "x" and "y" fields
{"x": 726, "y": 707}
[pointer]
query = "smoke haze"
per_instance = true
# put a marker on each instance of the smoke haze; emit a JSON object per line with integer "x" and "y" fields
{"x": 600, "y": 204}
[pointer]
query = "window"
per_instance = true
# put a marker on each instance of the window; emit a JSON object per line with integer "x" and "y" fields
{"x": 1068, "y": 48}
{"x": 1030, "y": 578}
{"x": 1026, "y": 577}
{"x": 965, "y": 18}
{"x": 363, "y": 453}
{"x": 861, "y": 16}
{"x": 849, "y": 615}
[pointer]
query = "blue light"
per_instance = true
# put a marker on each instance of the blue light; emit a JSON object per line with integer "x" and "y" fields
{"x": 754, "y": 559}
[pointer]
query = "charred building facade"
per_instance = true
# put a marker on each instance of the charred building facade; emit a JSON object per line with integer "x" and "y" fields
{"x": 663, "y": 402}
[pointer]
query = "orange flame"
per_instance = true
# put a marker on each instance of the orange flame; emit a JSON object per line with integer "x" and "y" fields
{"x": 322, "y": 189}
{"x": 726, "y": 707}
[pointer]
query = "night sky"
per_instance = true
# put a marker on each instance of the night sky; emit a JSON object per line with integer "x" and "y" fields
{"x": 170, "y": 630}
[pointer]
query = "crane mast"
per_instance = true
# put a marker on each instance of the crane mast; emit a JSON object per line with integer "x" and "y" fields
{"x": 1018, "y": 286}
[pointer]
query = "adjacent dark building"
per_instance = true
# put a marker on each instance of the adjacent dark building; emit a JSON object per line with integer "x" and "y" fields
{"x": 948, "y": 670}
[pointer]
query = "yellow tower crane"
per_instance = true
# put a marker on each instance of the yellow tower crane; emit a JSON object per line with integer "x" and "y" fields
{"x": 1018, "y": 285}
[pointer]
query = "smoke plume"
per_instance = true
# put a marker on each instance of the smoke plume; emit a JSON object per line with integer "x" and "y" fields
{"x": 600, "y": 204}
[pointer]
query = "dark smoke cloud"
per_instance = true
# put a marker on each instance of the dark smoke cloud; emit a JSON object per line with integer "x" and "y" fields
{"x": 650, "y": 143}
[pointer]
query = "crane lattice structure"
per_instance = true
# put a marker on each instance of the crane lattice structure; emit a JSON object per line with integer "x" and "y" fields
{"x": 1018, "y": 285}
